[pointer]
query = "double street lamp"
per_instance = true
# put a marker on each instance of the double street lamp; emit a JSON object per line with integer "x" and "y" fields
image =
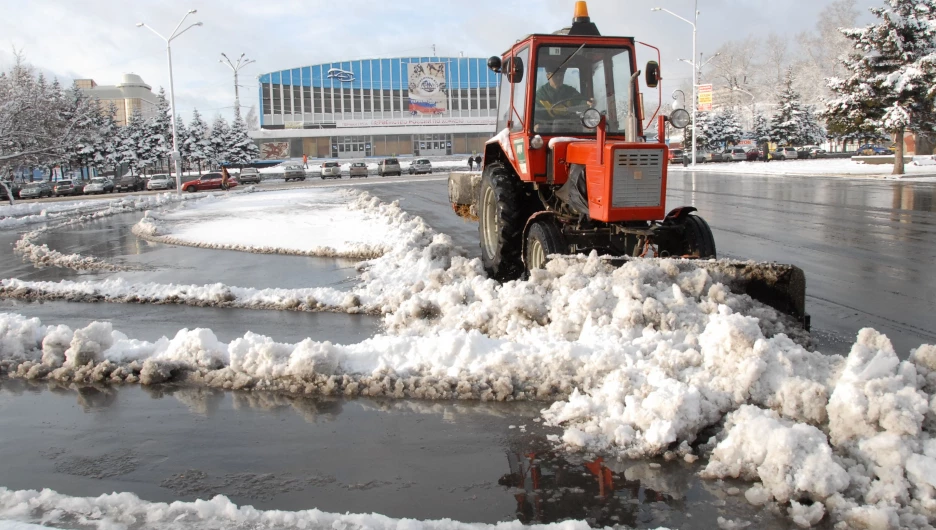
{"x": 695, "y": 71}
{"x": 175, "y": 140}
{"x": 240, "y": 63}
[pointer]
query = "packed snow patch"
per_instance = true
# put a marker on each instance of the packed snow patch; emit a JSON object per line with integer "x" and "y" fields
{"x": 118, "y": 510}
{"x": 319, "y": 222}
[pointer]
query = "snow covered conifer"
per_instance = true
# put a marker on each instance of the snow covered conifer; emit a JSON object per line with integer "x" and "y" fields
{"x": 182, "y": 136}
{"x": 786, "y": 125}
{"x": 220, "y": 136}
{"x": 761, "y": 129}
{"x": 242, "y": 149}
{"x": 198, "y": 141}
{"x": 891, "y": 82}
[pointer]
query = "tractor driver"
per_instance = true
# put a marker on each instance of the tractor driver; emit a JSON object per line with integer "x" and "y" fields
{"x": 554, "y": 98}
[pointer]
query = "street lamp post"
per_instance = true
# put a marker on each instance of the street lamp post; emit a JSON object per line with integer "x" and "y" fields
{"x": 695, "y": 88}
{"x": 753, "y": 102}
{"x": 175, "y": 139}
{"x": 235, "y": 66}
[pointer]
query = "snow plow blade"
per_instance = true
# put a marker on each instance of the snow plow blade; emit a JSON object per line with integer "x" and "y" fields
{"x": 780, "y": 286}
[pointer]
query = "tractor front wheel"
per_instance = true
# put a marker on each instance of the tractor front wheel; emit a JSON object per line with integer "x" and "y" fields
{"x": 700, "y": 242}
{"x": 503, "y": 210}
{"x": 543, "y": 238}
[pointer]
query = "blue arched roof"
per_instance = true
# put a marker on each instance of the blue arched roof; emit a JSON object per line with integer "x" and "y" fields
{"x": 461, "y": 73}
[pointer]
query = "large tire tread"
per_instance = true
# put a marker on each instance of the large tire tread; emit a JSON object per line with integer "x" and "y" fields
{"x": 699, "y": 238}
{"x": 548, "y": 234}
{"x": 512, "y": 210}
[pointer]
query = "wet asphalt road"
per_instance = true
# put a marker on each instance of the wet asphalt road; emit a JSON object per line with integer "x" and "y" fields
{"x": 867, "y": 247}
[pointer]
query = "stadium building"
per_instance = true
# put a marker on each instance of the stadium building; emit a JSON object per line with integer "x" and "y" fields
{"x": 418, "y": 106}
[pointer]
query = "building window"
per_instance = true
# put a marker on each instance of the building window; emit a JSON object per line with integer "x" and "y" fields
{"x": 297, "y": 99}
{"x": 266, "y": 104}
{"x": 277, "y": 102}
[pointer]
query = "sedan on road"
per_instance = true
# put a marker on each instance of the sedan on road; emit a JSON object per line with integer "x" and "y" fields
{"x": 734, "y": 154}
{"x": 872, "y": 149}
{"x": 66, "y": 187}
{"x": 293, "y": 173}
{"x": 161, "y": 182}
{"x": 208, "y": 181}
{"x": 358, "y": 169}
{"x": 249, "y": 175}
{"x": 389, "y": 166}
{"x": 130, "y": 183}
{"x": 36, "y": 190}
{"x": 784, "y": 153}
{"x": 99, "y": 185}
{"x": 419, "y": 166}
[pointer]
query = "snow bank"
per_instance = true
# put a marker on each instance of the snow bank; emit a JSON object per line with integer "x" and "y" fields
{"x": 321, "y": 222}
{"x": 22, "y": 214}
{"x": 120, "y": 510}
{"x": 82, "y": 212}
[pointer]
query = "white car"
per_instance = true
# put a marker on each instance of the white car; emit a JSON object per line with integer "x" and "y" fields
{"x": 98, "y": 185}
{"x": 735, "y": 154}
{"x": 161, "y": 182}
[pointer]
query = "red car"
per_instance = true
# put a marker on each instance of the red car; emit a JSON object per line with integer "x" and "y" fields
{"x": 208, "y": 181}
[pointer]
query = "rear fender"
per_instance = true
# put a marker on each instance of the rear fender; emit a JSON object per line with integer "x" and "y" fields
{"x": 678, "y": 215}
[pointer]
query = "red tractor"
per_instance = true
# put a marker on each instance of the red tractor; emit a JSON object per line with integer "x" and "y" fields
{"x": 570, "y": 170}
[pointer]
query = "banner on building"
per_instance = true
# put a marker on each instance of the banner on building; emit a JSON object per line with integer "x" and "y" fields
{"x": 274, "y": 150}
{"x": 705, "y": 97}
{"x": 427, "y": 90}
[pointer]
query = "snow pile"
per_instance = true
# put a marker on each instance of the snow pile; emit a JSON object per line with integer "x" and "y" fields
{"x": 872, "y": 464}
{"x": 39, "y": 212}
{"x": 86, "y": 211}
{"x": 122, "y": 510}
{"x": 324, "y": 222}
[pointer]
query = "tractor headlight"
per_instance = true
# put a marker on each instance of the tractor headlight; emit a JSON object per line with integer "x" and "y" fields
{"x": 680, "y": 118}
{"x": 536, "y": 142}
{"x": 591, "y": 118}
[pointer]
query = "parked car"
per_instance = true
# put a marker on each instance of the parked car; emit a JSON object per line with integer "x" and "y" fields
{"x": 676, "y": 156}
{"x": 34, "y": 190}
{"x": 161, "y": 182}
{"x": 208, "y": 181}
{"x": 419, "y": 166}
{"x": 16, "y": 187}
{"x": 99, "y": 185}
{"x": 708, "y": 156}
{"x": 753, "y": 154}
{"x": 873, "y": 149}
{"x": 249, "y": 175}
{"x": 130, "y": 183}
{"x": 389, "y": 166}
{"x": 784, "y": 153}
{"x": 358, "y": 169}
{"x": 734, "y": 154}
{"x": 293, "y": 172}
{"x": 66, "y": 187}
{"x": 331, "y": 170}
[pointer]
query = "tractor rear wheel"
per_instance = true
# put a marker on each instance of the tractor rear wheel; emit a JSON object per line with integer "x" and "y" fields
{"x": 543, "y": 238}
{"x": 503, "y": 210}
{"x": 700, "y": 242}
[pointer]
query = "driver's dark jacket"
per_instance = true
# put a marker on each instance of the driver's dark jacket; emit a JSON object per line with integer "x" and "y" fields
{"x": 554, "y": 95}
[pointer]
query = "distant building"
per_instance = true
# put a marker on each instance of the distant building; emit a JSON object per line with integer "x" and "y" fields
{"x": 129, "y": 95}
{"x": 377, "y": 107}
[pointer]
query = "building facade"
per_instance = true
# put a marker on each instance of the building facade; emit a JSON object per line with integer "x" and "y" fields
{"x": 130, "y": 95}
{"x": 377, "y": 107}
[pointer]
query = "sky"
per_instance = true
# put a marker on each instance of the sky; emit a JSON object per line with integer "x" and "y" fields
{"x": 99, "y": 39}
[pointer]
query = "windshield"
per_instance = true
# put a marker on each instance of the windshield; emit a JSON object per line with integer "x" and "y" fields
{"x": 571, "y": 79}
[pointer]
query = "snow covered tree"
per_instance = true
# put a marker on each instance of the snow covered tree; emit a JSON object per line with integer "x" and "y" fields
{"x": 761, "y": 130}
{"x": 220, "y": 136}
{"x": 240, "y": 147}
{"x": 891, "y": 83}
{"x": 252, "y": 119}
{"x": 35, "y": 128}
{"x": 726, "y": 128}
{"x": 159, "y": 131}
{"x": 198, "y": 141}
{"x": 131, "y": 144}
{"x": 182, "y": 134}
{"x": 702, "y": 138}
{"x": 786, "y": 127}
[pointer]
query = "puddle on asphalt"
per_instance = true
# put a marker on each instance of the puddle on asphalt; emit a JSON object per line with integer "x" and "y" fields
{"x": 111, "y": 239}
{"x": 469, "y": 461}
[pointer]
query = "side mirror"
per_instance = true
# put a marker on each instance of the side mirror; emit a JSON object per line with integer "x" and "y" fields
{"x": 680, "y": 118}
{"x": 513, "y": 69}
{"x": 494, "y": 63}
{"x": 653, "y": 74}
